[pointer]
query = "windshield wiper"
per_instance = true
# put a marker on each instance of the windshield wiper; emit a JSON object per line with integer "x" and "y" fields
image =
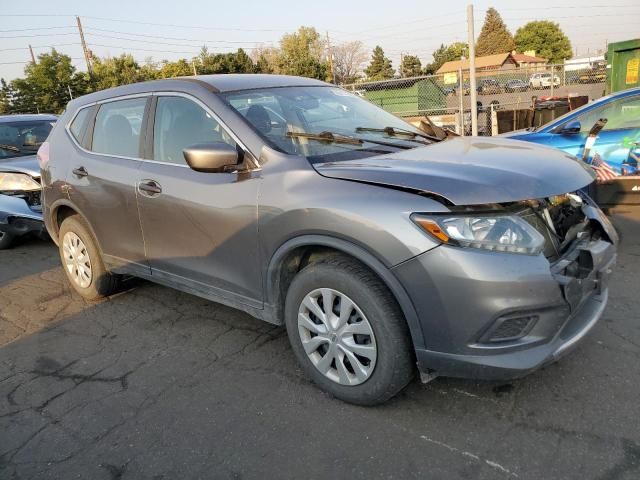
{"x": 330, "y": 137}
{"x": 395, "y": 131}
{"x": 9, "y": 147}
{"x": 326, "y": 137}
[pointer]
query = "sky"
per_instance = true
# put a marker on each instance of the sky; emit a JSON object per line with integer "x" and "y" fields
{"x": 171, "y": 30}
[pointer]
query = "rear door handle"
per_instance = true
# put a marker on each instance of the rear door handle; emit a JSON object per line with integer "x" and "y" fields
{"x": 149, "y": 188}
{"x": 80, "y": 172}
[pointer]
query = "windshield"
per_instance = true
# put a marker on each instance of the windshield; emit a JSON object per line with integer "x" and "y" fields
{"x": 20, "y": 138}
{"x": 298, "y": 121}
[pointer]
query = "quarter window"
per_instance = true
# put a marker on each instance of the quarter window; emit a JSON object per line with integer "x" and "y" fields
{"x": 117, "y": 128}
{"x": 79, "y": 124}
{"x": 180, "y": 123}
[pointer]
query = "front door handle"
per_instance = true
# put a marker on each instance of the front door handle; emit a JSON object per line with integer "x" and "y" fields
{"x": 80, "y": 172}
{"x": 149, "y": 188}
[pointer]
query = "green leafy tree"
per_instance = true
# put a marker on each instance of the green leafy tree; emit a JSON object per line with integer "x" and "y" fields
{"x": 447, "y": 53}
{"x": 47, "y": 84}
{"x": 411, "y": 66}
{"x": 301, "y": 54}
{"x": 494, "y": 36}
{"x": 238, "y": 62}
{"x": 5, "y": 97}
{"x": 114, "y": 71}
{"x": 179, "y": 68}
{"x": 380, "y": 66}
{"x": 546, "y": 38}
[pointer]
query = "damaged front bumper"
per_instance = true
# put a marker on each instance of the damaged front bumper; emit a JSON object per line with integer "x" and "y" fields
{"x": 499, "y": 316}
{"x": 18, "y": 217}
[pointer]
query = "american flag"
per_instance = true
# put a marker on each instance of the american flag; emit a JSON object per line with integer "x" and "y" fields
{"x": 604, "y": 172}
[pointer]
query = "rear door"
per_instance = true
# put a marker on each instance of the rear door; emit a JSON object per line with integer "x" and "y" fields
{"x": 102, "y": 179}
{"x": 200, "y": 229}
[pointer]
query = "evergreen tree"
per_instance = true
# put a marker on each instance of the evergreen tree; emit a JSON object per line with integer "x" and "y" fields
{"x": 494, "y": 37}
{"x": 447, "y": 53}
{"x": 411, "y": 66}
{"x": 380, "y": 66}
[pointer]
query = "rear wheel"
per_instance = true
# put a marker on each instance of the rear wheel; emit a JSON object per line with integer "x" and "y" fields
{"x": 6, "y": 240}
{"x": 82, "y": 261}
{"x": 348, "y": 332}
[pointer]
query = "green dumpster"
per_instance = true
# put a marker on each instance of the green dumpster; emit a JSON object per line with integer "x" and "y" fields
{"x": 624, "y": 64}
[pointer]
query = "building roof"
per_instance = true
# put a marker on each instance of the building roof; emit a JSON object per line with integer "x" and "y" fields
{"x": 522, "y": 58}
{"x": 487, "y": 61}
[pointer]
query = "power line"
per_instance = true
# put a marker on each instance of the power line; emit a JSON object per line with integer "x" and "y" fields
{"x": 32, "y": 29}
{"x": 89, "y": 31}
{"x": 122, "y": 20}
{"x": 38, "y": 35}
{"x": 37, "y": 46}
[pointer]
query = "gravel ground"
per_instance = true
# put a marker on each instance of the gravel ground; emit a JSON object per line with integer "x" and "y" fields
{"x": 157, "y": 384}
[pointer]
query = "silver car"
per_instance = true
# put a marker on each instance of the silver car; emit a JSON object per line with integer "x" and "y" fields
{"x": 20, "y": 204}
{"x": 383, "y": 250}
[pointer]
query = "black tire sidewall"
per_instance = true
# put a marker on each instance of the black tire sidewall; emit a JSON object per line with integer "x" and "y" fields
{"x": 394, "y": 363}
{"x": 101, "y": 280}
{"x": 6, "y": 240}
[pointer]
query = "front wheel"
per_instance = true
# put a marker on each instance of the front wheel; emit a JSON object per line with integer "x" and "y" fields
{"x": 348, "y": 332}
{"x": 6, "y": 240}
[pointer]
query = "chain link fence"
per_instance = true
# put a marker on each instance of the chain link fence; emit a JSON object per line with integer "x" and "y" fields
{"x": 506, "y": 99}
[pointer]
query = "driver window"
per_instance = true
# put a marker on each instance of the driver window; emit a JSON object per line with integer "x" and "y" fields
{"x": 623, "y": 113}
{"x": 180, "y": 123}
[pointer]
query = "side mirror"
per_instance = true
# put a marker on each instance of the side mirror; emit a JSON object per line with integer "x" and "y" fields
{"x": 211, "y": 157}
{"x": 571, "y": 128}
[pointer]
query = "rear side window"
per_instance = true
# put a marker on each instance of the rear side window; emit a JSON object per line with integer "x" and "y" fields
{"x": 117, "y": 128}
{"x": 79, "y": 124}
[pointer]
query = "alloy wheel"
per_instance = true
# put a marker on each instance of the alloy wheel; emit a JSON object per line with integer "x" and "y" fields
{"x": 337, "y": 337}
{"x": 76, "y": 260}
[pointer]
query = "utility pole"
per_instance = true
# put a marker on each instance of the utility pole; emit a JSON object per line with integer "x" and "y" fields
{"x": 333, "y": 73}
{"x": 472, "y": 71}
{"x": 87, "y": 55}
{"x": 33, "y": 57}
{"x": 193, "y": 63}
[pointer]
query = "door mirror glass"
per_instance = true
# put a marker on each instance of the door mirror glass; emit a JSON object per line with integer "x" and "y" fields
{"x": 571, "y": 128}
{"x": 211, "y": 157}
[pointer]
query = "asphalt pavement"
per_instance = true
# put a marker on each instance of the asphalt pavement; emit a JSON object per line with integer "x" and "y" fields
{"x": 156, "y": 384}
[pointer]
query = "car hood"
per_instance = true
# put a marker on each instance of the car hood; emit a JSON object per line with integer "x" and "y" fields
{"x": 471, "y": 171}
{"x": 28, "y": 164}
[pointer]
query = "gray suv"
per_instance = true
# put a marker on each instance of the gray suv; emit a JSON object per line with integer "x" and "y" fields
{"x": 378, "y": 246}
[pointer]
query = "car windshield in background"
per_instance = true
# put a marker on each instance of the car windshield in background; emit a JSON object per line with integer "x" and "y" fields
{"x": 323, "y": 123}
{"x": 21, "y": 138}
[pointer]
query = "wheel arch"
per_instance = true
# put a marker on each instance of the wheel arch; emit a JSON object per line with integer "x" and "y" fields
{"x": 62, "y": 209}
{"x": 296, "y": 253}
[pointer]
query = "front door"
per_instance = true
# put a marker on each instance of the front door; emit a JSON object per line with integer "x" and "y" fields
{"x": 200, "y": 229}
{"x": 102, "y": 181}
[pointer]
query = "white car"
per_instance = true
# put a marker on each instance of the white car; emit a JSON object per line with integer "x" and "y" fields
{"x": 543, "y": 80}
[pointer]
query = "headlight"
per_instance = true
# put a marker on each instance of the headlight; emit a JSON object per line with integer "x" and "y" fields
{"x": 491, "y": 232}
{"x": 17, "y": 182}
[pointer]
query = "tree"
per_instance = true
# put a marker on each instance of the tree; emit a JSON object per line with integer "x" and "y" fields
{"x": 301, "y": 54}
{"x": 546, "y": 38}
{"x": 114, "y": 71}
{"x": 5, "y": 97}
{"x": 447, "y": 53}
{"x": 494, "y": 36}
{"x": 411, "y": 66}
{"x": 179, "y": 68}
{"x": 238, "y": 62}
{"x": 266, "y": 59}
{"x": 348, "y": 58}
{"x": 47, "y": 84}
{"x": 380, "y": 66}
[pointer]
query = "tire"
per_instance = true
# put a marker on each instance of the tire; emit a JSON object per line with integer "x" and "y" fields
{"x": 6, "y": 240}
{"x": 75, "y": 236}
{"x": 391, "y": 368}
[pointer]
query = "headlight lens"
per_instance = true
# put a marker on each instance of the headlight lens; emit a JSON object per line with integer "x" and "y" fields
{"x": 491, "y": 232}
{"x": 17, "y": 182}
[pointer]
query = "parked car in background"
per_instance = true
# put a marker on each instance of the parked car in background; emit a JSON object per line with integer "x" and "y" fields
{"x": 516, "y": 85}
{"x": 489, "y": 86}
{"x": 20, "y": 199}
{"x": 307, "y": 206}
{"x": 597, "y": 74}
{"x": 543, "y": 80}
{"x": 618, "y": 144}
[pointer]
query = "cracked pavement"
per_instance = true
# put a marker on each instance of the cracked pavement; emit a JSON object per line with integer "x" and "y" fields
{"x": 156, "y": 384}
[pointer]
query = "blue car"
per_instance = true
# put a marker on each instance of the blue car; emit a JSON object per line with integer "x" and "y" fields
{"x": 618, "y": 144}
{"x": 20, "y": 202}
